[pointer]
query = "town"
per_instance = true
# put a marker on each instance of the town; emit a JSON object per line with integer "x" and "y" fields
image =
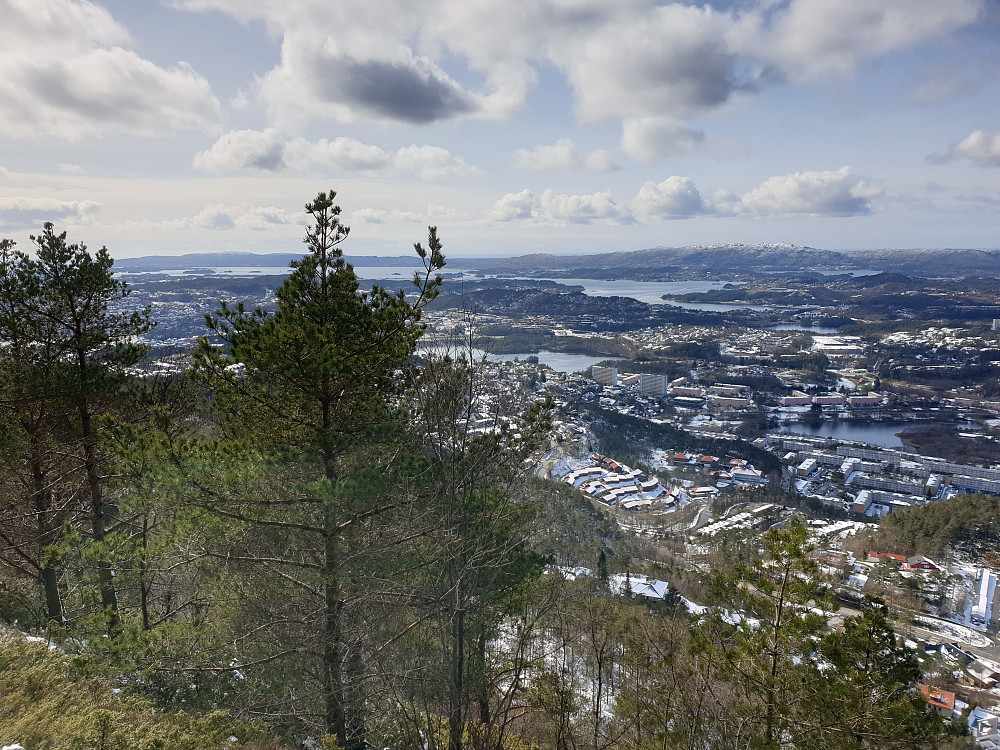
{"x": 691, "y": 427}
{"x": 750, "y": 395}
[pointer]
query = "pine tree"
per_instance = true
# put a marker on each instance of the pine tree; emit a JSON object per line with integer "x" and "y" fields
{"x": 309, "y": 380}
{"x": 480, "y": 524}
{"x": 36, "y": 506}
{"x": 766, "y": 624}
{"x": 76, "y": 346}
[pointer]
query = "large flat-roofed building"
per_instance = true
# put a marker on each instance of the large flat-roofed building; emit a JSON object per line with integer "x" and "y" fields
{"x": 829, "y": 399}
{"x": 604, "y": 375}
{"x": 653, "y": 385}
{"x": 872, "y": 399}
{"x": 838, "y": 346}
{"x": 796, "y": 399}
{"x": 731, "y": 401}
{"x": 984, "y": 591}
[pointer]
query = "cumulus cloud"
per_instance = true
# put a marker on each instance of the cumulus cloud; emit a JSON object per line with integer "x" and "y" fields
{"x": 66, "y": 71}
{"x": 340, "y": 153}
{"x": 381, "y": 216}
{"x": 268, "y": 150}
{"x": 980, "y": 147}
{"x": 649, "y": 138}
{"x": 672, "y": 59}
{"x": 554, "y": 209}
{"x": 674, "y": 198}
{"x": 582, "y": 209}
{"x": 833, "y": 193}
{"x": 324, "y": 79}
{"x": 24, "y": 212}
{"x": 400, "y": 61}
{"x": 563, "y": 156}
{"x": 243, "y": 216}
{"x": 410, "y": 90}
{"x": 432, "y": 163}
{"x": 811, "y": 38}
{"x": 242, "y": 150}
{"x": 514, "y": 206}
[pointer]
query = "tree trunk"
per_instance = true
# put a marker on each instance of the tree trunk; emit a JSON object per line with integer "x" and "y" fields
{"x": 333, "y": 681}
{"x": 50, "y": 582}
{"x": 354, "y": 700}
{"x": 456, "y": 725}
{"x": 49, "y": 572}
{"x": 143, "y": 584}
{"x": 98, "y": 517}
{"x": 483, "y": 687}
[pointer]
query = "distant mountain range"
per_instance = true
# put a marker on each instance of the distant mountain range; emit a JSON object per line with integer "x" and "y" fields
{"x": 647, "y": 263}
{"x": 738, "y": 258}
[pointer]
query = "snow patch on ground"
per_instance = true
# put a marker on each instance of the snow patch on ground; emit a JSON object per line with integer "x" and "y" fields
{"x": 564, "y": 466}
{"x": 955, "y": 631}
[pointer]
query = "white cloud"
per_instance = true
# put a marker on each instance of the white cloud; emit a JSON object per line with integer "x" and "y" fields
{"x": 555, "y": 209}
{"x": 648, "y": 138}
{"x": 249, "y": 150}
{"x": 340, "y": 153}
{"x": 979, "y": 146}
{"x": 243, "y": 217}
{"x": 674, "y": 198}
{"x": 514, "y": 206}
{"x": 66, "y": 72}
{"x": 432, "y": 163}
{"x": 20, "y": 212}
{"x": 437, "y": 212}
{"x": 646, "y": 60}
{"x": 382, "y": 216}
{"x": 811, "y": 38}
{"x": 834, "y": 193}
{"x": 244, "y": 149}
{"x": 400, "y": 61}
{"x": 582, "y": 209}
{"x": 563, "y": 156}
{"x": 66, "y": 168}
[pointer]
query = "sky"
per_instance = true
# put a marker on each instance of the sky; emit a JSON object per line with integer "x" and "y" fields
{"x": 516, "y": 127}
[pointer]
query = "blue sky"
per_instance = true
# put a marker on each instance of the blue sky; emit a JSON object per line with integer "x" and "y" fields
{"x": 171, "y": 126}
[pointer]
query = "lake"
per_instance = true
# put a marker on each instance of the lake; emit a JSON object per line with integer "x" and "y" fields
{"x": 651, "y": 292}
{"x": 644, "y": 291}
{"x": 558, "y": 361}
{"x": 876, "y": 433}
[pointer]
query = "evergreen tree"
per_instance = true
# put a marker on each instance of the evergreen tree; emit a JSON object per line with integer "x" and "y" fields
{"x": 786, "y": 682}
{"x": 766, "y": 628}
{"x": 480, "y": 521}
{"x": 307, "y": 381}
{"x": 76, "y": 345}
{"x": 36, "y": 506}
{"x": 859, "y": 690}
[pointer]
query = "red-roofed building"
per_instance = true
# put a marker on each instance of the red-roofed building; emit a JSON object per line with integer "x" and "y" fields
{"x": 942, "y": 701}
{"x": 872, "y": 555}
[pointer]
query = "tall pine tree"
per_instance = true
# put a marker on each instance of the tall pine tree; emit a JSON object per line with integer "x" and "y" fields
{"x": 308, "y": 380}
